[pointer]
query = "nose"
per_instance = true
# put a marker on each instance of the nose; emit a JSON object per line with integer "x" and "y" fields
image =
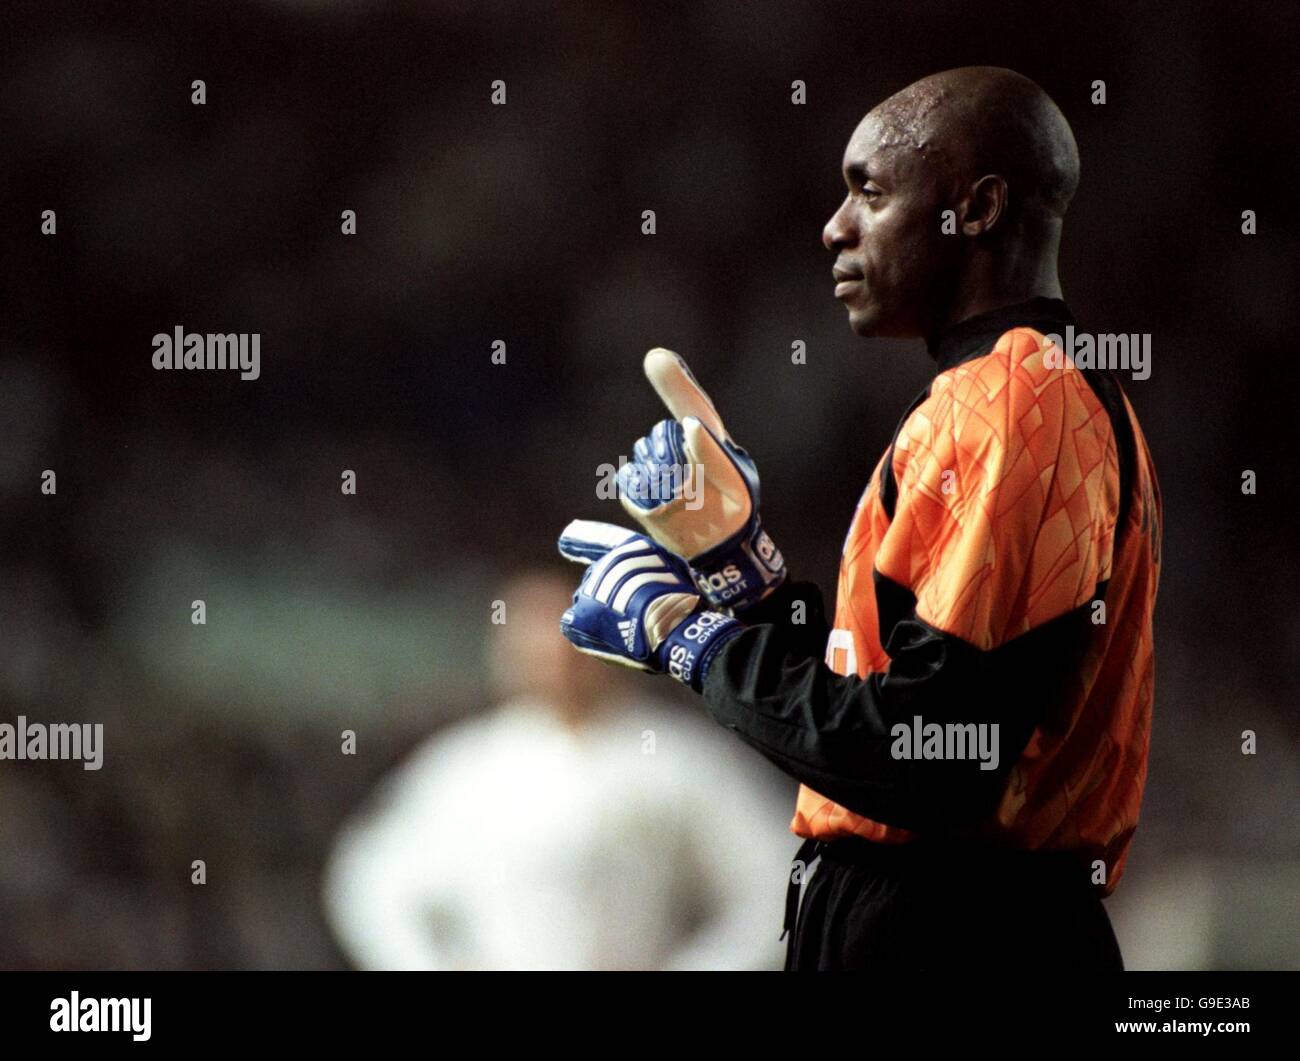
{"x": 838, "y": 232}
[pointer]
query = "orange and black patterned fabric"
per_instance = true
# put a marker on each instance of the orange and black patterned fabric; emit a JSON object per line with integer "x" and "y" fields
{"x": 1000, "y": 569}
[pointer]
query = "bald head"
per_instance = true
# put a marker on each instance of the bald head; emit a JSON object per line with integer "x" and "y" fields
{"x": 979, "y": 120}
{"x": 958, "y": 185}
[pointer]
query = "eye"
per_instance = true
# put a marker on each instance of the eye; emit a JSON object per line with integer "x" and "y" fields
{"x": 869, "y": 191}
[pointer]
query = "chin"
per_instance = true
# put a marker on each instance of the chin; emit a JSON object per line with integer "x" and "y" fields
{"x": 871, "y": 323}
{"x": 865, "y": 323}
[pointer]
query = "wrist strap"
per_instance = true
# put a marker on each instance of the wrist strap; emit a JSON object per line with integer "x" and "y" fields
{"x": 739, "y": 572}
{"x": 689, "y": 648}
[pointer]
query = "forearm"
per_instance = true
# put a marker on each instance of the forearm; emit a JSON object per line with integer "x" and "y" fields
{"x": 797, "y": 609}
{"x": 835, "y": 733}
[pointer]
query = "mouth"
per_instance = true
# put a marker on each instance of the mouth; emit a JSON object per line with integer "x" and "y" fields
{"x": 845, "y": 288}
{"x": 846, "y": 281}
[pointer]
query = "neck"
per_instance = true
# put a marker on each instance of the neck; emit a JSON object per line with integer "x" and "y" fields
{"x": 1003, "y": 276}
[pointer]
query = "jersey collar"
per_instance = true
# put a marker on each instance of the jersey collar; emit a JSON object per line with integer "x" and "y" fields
{"x": 976, "y": 336}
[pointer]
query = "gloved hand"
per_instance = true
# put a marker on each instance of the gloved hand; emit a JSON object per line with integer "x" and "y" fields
{"x": 637, "y": 606}
{"x": 695, "y": 492}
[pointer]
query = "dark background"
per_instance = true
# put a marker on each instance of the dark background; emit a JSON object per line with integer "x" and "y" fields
{"x": 522, "y": 223}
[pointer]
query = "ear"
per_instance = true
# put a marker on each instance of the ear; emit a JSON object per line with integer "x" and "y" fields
{"x": 985, "y": 205}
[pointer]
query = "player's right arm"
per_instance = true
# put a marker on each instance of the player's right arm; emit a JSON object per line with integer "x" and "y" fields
{"x": 1020, "y": 523}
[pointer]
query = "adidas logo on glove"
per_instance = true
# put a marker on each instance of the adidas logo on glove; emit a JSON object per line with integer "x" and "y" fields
{"x": 628, "y": 629}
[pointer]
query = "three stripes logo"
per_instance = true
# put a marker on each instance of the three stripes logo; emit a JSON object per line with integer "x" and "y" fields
{"x": 621, "y": 572}
{"x": 624, "y": 565}
{"x": 628, "y": 629}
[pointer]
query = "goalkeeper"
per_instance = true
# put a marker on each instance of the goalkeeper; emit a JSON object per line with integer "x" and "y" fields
{"x": 970, "y": 727}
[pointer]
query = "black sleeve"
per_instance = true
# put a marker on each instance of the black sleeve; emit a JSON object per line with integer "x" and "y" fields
{"x": 797, "y": 608}
{"x": 833, "y": 733}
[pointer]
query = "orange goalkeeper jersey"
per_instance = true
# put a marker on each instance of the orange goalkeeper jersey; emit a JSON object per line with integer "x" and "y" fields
{"x": 998, "y": 581}
{"x": 1017, "y": 497}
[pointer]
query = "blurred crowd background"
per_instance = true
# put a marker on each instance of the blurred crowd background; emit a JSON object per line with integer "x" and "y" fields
{"x": 522, "y": 223}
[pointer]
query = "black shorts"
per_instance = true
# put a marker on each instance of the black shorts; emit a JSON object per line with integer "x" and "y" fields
{"x": 946, "y": 907}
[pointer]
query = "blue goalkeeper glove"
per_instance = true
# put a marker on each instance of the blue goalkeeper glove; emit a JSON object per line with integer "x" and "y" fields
{"x": 710, "y": 518}
{"x": 637, "y": 606}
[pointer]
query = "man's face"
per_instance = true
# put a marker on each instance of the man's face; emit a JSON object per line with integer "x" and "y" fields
{"x": 891, "y": 256}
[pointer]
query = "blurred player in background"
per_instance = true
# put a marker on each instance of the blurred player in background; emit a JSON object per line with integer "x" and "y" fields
{"x": 971, "y": 729}
{"x": 572, "y": 827}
